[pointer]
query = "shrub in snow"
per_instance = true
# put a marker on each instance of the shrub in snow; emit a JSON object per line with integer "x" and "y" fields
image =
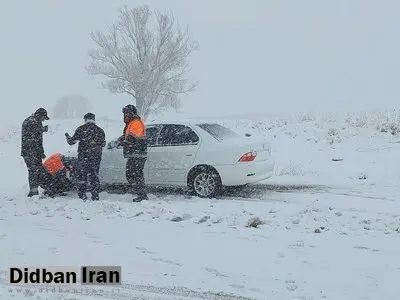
{"x": 363, "y": 176}
{"x": 333, "y": 136}
{"x": 71, "y": 107}
{"x": 357, "y": 121}
{"x": 333, "y": 132}
{"x": 254, "y": 222}
{"x": 307, "y": 117}
{"x": 291, "y": 170}
{"x": 389, "y": 123}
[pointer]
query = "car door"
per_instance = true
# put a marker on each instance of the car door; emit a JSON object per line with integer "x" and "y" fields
{"x": 173, "y": 154}
{"x": 113, "y": 165}
{"x": 112, "y": 168}
{"x": 152, "y": 132}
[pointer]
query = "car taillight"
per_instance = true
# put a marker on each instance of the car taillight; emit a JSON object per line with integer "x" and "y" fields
{"x": 249, "y": 156}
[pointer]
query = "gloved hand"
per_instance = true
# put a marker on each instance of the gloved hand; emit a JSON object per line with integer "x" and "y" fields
{"x": 46, "y": 128}
{"x": 120, "y": 141}
{"x": 67, "y": 135}
{"x": 43, "y": 156}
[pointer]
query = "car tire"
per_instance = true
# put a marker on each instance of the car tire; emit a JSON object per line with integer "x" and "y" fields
{"x": 205, "y": 182}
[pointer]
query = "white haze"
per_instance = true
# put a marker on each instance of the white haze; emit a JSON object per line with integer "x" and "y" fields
{"x": 258, "y": 56}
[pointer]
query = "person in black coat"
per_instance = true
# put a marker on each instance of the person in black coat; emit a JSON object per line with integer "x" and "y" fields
{"x": 32, "y": 148}
{"x": 90, "y": 149}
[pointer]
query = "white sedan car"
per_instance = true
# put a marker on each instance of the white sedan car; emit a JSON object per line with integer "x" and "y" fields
{"x": 203, "y": 157}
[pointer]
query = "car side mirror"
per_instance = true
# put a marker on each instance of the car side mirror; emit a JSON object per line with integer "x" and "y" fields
{"x": 111, "y": 145}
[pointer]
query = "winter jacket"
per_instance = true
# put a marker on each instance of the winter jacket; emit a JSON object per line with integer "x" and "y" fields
{"x": 57, "y": 162}
{"x": 135, "y": 141}
{"x": 54, "y": 163}
{"x": 32, "y": 138}
{"x": 91, "y": 139}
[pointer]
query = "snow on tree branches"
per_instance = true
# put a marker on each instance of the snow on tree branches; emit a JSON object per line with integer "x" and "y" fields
{"x": 149, "y": 63}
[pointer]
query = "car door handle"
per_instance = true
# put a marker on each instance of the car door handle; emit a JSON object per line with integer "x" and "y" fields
{"x": 188, "y": 154}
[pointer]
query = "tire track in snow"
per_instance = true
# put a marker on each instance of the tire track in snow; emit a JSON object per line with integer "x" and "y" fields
{"x": 124, "y": 291}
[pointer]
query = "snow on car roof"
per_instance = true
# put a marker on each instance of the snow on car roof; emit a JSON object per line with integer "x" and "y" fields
{"x": 180, "y": 122}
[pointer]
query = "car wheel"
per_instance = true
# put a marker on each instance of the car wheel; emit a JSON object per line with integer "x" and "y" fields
{"x": 205, "y": 183}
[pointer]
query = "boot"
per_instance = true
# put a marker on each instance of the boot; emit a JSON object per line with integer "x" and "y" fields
{"x": 33, "y": 192}
{"x": 140, "y": 198}
{"x": 48, "y": 193}
{"x": 82, "y": 196}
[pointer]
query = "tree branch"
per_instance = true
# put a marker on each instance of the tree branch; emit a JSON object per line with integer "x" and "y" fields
{"x": 149, "y": 63}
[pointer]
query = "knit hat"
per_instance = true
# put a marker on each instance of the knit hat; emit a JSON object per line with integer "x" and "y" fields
{"x": 89, "y": 116}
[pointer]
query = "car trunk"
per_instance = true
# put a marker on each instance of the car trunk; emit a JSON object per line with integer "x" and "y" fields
{"x": 240, "y": 146}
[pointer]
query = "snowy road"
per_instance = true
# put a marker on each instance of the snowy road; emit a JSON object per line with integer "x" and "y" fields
{"x": 316, "y": 242}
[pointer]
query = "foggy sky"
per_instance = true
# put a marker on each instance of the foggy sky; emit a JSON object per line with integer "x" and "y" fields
{"x": 254, "y": 55}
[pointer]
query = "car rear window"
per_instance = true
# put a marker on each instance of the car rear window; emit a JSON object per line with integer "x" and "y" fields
{"x": 218, "y": 131}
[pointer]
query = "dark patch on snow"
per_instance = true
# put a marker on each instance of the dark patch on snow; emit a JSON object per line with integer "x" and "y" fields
{"x": 215, "y": 272}
{"x": 337, "y": 159}
{"x": 203, "y": 219}
{"x": 253, "y": 191}
{"x": 254, "y": 222}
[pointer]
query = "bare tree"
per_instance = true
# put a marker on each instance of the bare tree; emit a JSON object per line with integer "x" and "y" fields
{"x": 149, "y": 63}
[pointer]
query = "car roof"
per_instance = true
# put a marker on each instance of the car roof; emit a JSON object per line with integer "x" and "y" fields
{"x": 179, "y": 122}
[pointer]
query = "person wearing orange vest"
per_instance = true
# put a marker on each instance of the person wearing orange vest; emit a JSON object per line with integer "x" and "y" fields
{"x": 58, "y": 176}
{"x": 134, "y": 144}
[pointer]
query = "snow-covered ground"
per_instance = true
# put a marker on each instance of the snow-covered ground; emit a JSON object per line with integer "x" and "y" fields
{"x": 325, "y": 227}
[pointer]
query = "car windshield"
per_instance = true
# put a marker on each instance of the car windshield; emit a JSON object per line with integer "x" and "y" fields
{"x": 218, "y": 131}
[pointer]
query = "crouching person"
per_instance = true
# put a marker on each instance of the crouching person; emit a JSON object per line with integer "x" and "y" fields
{"x": 58, "y": 179}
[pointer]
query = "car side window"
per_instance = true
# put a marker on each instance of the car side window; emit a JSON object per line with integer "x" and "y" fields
{"x": 151, "y": 135}
{"x": 177, "y": 135}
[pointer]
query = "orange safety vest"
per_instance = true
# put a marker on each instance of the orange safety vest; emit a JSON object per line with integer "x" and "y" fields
{"x": 136, "y": 128}
{"x": 54, "y": 163}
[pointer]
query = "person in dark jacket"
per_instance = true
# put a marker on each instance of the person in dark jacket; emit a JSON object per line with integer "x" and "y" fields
{"x": 91, "y": 142}
{"x": 32, "y": 148}
{"x": 134, "y": 144}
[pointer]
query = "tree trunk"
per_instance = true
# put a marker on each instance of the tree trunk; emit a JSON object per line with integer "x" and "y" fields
{"x": 140, "y": 105}
{"x": 146, "y": 114}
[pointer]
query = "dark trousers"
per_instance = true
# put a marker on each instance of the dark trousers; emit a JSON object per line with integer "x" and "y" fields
{"x": 88, "y": 176}
{"x": 36, "y": 172}
{"x": 135, "y": 175}
{"x": 58, "y": 183}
